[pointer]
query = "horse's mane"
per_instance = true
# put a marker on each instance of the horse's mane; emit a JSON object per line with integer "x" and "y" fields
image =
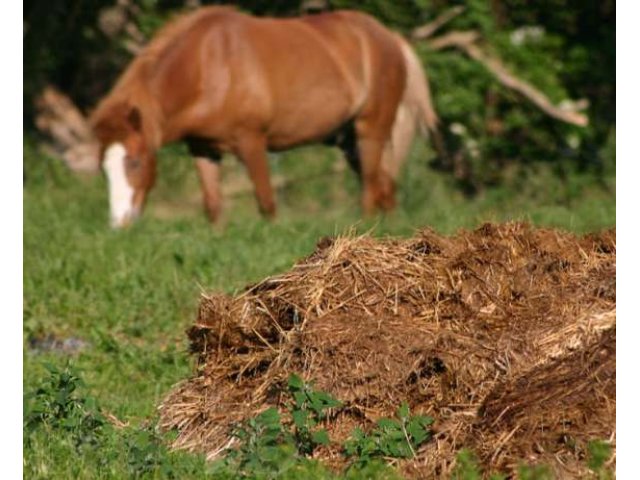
{"x": 131, "y": 86}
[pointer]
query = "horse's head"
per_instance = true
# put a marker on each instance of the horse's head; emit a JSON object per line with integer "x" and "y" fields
{"x": 127, "y": 159}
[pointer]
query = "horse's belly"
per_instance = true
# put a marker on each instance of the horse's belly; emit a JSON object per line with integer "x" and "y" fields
{"x": 309, "y": 120}
{"x": 305, "y": 134}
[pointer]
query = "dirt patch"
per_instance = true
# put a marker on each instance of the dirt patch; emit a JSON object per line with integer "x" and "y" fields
{"x": 505, "y": 335}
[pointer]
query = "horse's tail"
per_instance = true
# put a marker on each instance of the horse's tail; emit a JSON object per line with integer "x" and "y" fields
{"x": 415, "y": 110}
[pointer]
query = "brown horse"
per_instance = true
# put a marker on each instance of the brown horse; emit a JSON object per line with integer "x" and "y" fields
{"x": 224, "y": 81}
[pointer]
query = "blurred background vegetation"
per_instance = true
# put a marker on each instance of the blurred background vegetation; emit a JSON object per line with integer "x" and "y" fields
{"x": 564, "y": 48}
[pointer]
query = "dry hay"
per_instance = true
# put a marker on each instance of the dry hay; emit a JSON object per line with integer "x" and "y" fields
{"x": 505, "y": 335}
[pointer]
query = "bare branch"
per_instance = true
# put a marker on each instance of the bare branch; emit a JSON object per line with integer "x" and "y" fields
{"x": 425, "y": 31}
{"x": 72, "y": 137}
{"x": 465, "y": 41}
{"x": 454, "y": 39}
{"x": 119, "y": 19}
{"x": 133, "y": 47}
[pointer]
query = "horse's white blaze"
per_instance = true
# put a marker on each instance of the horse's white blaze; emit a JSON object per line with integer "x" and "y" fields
{"x": 120, "y": 192}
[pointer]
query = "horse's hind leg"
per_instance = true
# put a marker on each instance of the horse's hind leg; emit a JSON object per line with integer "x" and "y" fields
{"x": 252, "y": 151}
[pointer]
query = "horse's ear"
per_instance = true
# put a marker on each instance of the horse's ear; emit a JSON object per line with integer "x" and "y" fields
{"x": 135, "y": 119}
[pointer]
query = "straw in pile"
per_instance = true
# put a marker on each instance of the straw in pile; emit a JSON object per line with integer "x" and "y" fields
{"x": 497, "y": 333}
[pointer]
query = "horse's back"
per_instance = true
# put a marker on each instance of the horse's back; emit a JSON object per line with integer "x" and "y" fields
{"x": 296, "y": 79}
{"x": 323, "y": 70}
{"x": 314, "y": 72}
{"x": 384, "y": 60}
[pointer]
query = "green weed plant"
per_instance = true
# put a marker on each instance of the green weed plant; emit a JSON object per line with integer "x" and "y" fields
{"x": 398, "y": 437}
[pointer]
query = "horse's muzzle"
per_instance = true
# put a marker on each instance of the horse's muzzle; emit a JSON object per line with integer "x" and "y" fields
{"x": 125, "y": 220}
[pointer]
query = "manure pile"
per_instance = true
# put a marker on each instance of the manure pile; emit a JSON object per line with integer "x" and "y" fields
{"x": 505, "y": 335}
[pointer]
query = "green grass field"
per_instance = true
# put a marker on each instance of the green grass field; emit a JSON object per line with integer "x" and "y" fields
{"x": 126, "y": 297}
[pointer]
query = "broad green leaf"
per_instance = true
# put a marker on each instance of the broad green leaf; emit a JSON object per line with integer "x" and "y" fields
{"x": 403, "y": 411}
{"x": 388, "y": 423}
{"x": 295, "y": 382}
{"x": 300, "y": 418}
{"x": 418, "y": 430}
{"x": 270, "y": 416}
{"x": 328, "y": 400}
{"x": 423, "y": 419}
{"x": 300, "y": 398}
{"x": 321, "y": 437}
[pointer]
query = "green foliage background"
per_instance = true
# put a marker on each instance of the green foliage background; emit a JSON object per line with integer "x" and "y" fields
{"x": 565, "y": 48}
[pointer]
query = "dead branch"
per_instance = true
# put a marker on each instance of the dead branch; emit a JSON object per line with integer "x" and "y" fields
{"x": 69, "y": 130}
{"x": 54, "y": 104}
{"x": 425, "y": 31}
{"x": 119, "y": 19}
{"x": 454, "y": 39}
{"x": 465, "y": 41}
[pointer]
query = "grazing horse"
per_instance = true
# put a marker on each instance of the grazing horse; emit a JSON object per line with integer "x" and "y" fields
{"x": 224, "y": 81}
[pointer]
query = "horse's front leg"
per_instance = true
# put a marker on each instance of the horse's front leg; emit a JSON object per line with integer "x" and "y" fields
{"x": 209, "y": 173}
{"x": 252, "y": 151}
